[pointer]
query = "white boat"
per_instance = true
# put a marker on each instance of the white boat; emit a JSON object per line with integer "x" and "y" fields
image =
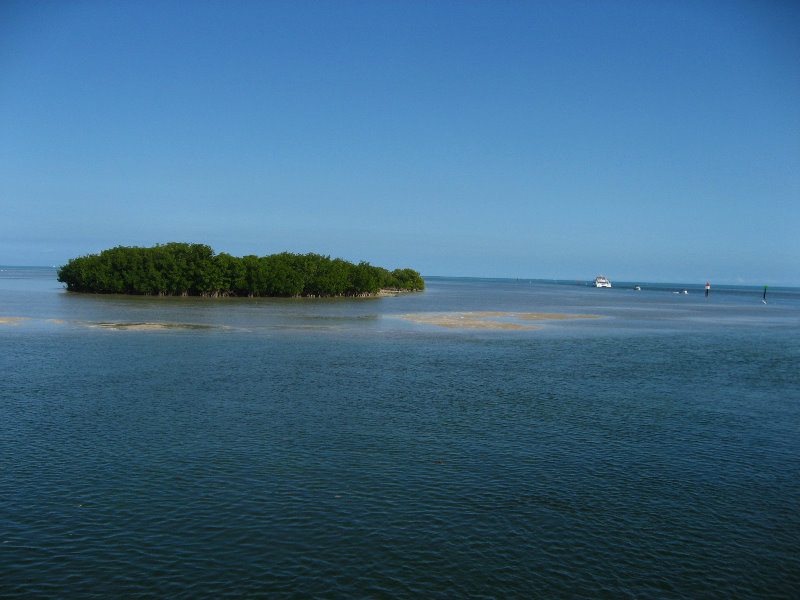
{"x": 601, "y": 281}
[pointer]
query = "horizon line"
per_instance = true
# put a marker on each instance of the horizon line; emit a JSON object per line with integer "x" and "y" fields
{"x": 544, "y": 279}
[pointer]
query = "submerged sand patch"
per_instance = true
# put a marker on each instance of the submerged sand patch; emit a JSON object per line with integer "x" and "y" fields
{"x": 12, "y": 320}
{"x": 148, "y": 326}
{"x": 488, "y": 319}
{"x": 533, "y": 316}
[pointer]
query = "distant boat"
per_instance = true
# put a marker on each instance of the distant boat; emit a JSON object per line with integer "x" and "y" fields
{"x": 601, "y": 281}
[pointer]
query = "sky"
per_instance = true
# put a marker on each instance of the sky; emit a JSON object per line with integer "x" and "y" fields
{"x": 644, "y": 140}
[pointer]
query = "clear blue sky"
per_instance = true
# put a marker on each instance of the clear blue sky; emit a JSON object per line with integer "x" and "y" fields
{"x": 650, "y": 140}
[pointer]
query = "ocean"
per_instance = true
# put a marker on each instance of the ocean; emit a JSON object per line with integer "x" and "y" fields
{"x": 486, "y": 438}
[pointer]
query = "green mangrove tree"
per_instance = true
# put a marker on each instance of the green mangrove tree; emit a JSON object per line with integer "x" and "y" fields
{"x": 180, "y": 269}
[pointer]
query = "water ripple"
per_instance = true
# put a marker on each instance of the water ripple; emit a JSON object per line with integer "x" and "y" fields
{"x": 301, "y": 464}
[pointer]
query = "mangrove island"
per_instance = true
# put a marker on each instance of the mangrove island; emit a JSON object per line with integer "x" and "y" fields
{"x": 180, "y": 269}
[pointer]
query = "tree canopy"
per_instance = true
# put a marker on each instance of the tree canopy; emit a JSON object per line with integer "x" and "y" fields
{"x": 195, "y": 270}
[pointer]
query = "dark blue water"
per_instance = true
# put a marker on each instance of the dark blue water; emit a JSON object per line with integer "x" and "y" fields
{"x": 325, "y": 449}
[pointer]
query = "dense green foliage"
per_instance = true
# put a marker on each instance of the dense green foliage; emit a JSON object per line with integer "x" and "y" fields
{"x": 194, "y": 270}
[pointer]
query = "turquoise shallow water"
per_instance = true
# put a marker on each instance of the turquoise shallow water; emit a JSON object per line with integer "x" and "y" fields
{"x": 327, "y": 449}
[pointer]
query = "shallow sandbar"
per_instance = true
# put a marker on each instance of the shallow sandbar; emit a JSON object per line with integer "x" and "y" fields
{"x": 12, "y": 320}
{"x": 488, "y": 319}
{"x": 147, "y": 326}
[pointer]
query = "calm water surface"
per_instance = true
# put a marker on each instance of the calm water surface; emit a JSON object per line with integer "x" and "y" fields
{"x": 327, "y": 449}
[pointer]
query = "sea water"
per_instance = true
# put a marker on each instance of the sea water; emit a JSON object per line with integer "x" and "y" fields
{"x": 310, "y": 448}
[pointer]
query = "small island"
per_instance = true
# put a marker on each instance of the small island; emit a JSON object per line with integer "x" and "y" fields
{"x": 181, "y": 269}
